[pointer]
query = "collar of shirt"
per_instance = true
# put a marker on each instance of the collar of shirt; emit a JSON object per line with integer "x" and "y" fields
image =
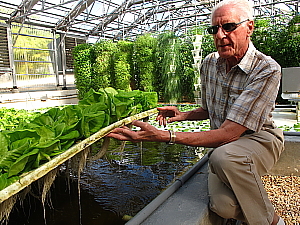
{"x": 245, "y": 64}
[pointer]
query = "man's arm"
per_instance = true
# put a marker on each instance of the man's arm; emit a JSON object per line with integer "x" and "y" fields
{"x": 169, "y": 114}
{"x": 228, "y": 132}
{"x": 197, "y": 114}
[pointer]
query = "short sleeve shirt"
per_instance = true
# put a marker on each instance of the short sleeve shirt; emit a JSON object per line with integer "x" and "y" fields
{"x": 245, "y": 95}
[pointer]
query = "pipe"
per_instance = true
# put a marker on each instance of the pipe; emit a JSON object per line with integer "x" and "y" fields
{"x": 291, "y": 133}
{"x": 152, "y": 206}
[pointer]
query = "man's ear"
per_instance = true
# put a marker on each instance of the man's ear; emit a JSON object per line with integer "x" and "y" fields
{"x": 250, "y": 28}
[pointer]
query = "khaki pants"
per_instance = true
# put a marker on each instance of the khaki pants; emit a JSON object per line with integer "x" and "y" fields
{"x": 234, "y": 182}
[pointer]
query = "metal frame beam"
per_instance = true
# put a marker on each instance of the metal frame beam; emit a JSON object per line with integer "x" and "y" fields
{"x": 25, "y": 8}
{"x": 68, "y": 19}
{"x": 114, "y": 15}
{"x": 147, "y": 15}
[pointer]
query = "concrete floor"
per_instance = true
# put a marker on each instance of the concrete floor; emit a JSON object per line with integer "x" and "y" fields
{"x": 40, "y": 99}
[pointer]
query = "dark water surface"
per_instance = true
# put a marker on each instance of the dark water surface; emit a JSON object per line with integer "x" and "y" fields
{"x": 121, "y": 183}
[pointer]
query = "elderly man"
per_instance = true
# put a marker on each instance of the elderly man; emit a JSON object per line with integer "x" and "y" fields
{"x": 239, "y": 88}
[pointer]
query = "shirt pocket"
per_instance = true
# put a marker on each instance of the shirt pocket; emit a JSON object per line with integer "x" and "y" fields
{"x": 234, "y": 94}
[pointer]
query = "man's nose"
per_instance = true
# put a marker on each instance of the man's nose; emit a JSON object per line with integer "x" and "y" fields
{"x": 221, "y": 33}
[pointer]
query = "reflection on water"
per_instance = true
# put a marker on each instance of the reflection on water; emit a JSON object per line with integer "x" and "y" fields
{"x": 121, "y": 183}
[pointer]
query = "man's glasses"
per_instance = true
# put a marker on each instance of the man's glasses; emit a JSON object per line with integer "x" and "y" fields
{"x": 228, "y": 27}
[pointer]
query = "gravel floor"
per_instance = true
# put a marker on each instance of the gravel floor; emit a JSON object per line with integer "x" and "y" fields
{"x": 284, "y": 193}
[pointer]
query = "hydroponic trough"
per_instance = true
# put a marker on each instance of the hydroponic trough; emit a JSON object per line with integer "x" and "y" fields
{"x": 8, "y": 195}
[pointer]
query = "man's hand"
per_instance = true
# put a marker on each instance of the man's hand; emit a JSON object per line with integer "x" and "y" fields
{"x": 228, "y": 132}
{"x": 146, "y": 133}
{"x": 168, "y": 114}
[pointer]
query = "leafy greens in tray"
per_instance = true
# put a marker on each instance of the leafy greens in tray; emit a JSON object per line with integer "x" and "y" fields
{"x": 50, "y": 133}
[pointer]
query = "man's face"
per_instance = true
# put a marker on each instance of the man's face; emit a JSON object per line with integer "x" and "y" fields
{"x": 232, "y": 44}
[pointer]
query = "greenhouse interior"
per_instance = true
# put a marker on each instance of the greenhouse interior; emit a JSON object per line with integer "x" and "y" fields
{"x": 73, "y": 70}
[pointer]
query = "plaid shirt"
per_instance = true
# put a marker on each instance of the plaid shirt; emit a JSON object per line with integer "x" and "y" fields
{"x": 245, "y": 95}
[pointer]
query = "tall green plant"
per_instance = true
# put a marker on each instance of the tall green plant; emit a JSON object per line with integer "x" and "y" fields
{"x": 208, "y": 45}
{"x": 174, "y": 67}
{"x": 167, "y": 79}
{"x": 82, "y": 68}
{"x": 123, "y": 66}
{"x": 103, "y": 52}
{"x": 279, "y": 39}
{"x": 186, "y": 71}
{"x": 144, "y": 61}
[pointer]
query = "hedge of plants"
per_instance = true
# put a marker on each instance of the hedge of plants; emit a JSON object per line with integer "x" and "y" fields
{"x": 279, "y": 39}
{"x": 144, "y": 64}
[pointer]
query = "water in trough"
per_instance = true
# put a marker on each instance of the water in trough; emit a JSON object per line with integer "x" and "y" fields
{"x": 120, "y": 184}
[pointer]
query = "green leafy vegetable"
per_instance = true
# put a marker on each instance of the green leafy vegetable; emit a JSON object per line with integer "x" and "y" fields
{"x": 48, "y": 134}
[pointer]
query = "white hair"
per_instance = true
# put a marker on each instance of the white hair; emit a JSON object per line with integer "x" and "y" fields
{"x": 245, "y": 6}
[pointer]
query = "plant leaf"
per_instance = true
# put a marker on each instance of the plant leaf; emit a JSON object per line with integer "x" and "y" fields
{"x": 20, "y": 164}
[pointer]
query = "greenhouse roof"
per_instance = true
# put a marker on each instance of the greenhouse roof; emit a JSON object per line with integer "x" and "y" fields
{"x": 116, "y": 19}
